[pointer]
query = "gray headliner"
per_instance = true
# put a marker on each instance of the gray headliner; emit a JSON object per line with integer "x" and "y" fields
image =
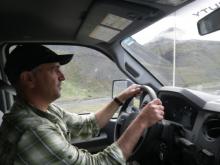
{"x": 71, "y": 20}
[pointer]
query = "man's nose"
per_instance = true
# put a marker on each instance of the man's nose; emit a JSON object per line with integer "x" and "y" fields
{"x": 61, "y": 76}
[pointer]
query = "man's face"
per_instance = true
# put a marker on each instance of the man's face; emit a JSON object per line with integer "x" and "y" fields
{"x": 48, "y": 78}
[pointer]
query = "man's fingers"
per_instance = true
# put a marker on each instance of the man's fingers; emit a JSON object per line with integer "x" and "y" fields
{"x": 157, "y": 101}
{"x": 161, "y": 112}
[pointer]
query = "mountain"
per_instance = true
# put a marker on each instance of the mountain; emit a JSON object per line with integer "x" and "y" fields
{"x": 197, "y": 61}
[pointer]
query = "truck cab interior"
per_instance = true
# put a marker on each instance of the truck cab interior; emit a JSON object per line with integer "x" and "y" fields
{"x": 170, "y": 47}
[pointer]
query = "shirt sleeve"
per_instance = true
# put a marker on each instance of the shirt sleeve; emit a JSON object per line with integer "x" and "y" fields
{"x": 45, "y": 145}
{"x": 80, "y": 126}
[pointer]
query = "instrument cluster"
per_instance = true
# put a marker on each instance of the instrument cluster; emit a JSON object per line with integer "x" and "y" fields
{"x": 179, "y": 111}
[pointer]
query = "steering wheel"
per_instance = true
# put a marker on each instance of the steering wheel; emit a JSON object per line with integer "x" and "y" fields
{"x": 128, "y": 113}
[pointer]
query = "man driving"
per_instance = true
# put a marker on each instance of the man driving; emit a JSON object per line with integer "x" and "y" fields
{"x": 38, "y": 132}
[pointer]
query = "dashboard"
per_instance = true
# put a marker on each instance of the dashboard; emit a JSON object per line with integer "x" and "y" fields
{"x": 183, "y": 106}
{"x": 179, "y": 111}
{"x": 193, "y": 125}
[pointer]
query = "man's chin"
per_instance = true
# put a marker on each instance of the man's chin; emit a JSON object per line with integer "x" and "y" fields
{"x": 58, "y": 95}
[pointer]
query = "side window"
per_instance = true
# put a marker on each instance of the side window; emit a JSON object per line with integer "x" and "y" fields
{"x": 89, "y": 76}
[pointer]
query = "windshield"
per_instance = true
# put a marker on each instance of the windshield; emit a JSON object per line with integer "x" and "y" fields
{"x": 172, "y": 50}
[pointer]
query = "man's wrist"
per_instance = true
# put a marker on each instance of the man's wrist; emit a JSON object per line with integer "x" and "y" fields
{"x": 141, "y": 122}
{"x": 118, "y": 101}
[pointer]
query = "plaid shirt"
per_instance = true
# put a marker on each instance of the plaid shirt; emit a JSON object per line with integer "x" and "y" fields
{"x": 30, "y": 136}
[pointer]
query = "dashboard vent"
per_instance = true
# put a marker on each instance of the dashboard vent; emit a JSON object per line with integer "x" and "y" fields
{"x": 212, "y": 127}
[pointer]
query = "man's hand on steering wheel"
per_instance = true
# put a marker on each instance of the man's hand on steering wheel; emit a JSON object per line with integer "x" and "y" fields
{"x": 131, "y": 91}
{"x": 151, "y": 113}
{"x": 132, "y": 127}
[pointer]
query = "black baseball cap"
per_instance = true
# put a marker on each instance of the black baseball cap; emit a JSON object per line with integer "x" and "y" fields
{"x": 28, "y": 56}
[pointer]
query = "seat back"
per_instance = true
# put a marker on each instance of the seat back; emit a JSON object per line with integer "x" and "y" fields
{"x": 7, "y": 93}
{"x": 6, "y": 87}
{"x": 1, "y": 115}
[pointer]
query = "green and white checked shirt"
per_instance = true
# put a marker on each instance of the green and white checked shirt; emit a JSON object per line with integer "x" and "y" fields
{"x": 30, "y": 136}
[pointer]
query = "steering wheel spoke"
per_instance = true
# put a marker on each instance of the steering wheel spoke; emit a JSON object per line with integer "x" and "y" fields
{"x": 122, "y": 118}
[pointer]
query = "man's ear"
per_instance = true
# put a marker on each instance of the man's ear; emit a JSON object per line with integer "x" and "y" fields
{"x": 28, "y": 79}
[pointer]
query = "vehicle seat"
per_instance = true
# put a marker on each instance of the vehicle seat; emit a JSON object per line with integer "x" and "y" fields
{"x": 1, "y": 115}
{"x": 7, "y": 88}
{"x": 6, "y": 97}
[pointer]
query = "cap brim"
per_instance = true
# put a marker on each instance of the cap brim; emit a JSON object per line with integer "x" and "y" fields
{"x": 63, "y": 59}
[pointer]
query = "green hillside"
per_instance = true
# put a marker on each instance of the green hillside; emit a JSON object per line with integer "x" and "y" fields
{"x": 89, "y": 75}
